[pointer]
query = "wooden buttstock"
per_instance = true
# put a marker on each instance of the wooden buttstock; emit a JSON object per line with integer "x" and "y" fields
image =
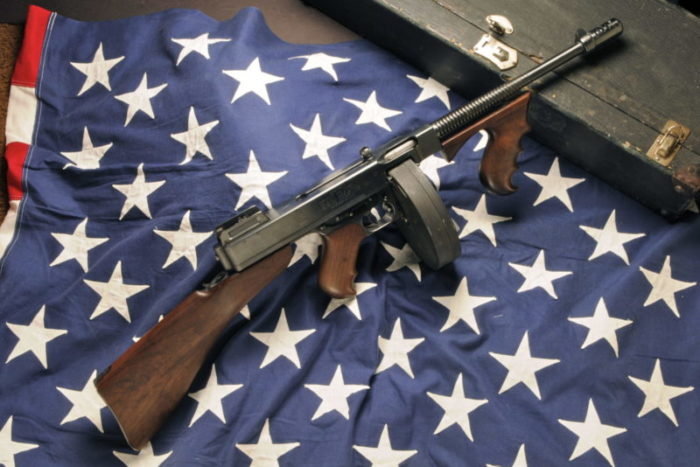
{"x": 505, "y": 126}
{"x": 145, "y": 384}
{"x": 336, "y": 276}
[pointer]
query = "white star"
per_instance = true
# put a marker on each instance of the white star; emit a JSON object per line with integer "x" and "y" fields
{"x": 254, "y": 182}
{"x": 457, "y": 408}
{"x": 351, "y": 302}
{"x": 664, "y": 287}
{"x": 140, "y": 99}
{"x": 395, "y": 350}
{"x": 430, "y": 166}
{"x": 265, "y": 453}
{"x": 520, "y": 459}
{"x": 199, "y": 44}
{"x": 89, "y": 155}
{"x": 86, "y": 403}
{"x": 194, "y": 138}
{"x": 33, "y": 337}
{"x": 384, "y": 455}
{"x": 323, "y": 61}
{"x": 554, "y": 185}
{"x": 183, "y": 242}
{"x": 601, "y": 326}
{"x": 592, "y": 434}
{"x": 76, "y": 245}
{"x": 537, "y": 275}
{"x": 210, "y": 397}
{"x": 282, "y": 342}
{"x": 522, "y": 367}
{"x": 114, "y": 293}
{"x": 9, "y": 448}
{"x": 608, "y": 239}
{"x": 480, "y": 219}
{"x": 308, "y": 246}
{"x": 96, "y": 71}
{"x": 137, "y": 193}
{"x": 372, "y": 112}
{"x": 145, "y": 458}
{"x": 431, "y": 88}
{"x": 334, "y": 396}
{"x": 403, "y": 258}
{"x": 657, "y": 394}
{"x": 461, "y": 306}
{"x": 252, "y": 79}
{"x": 317, "y": 144}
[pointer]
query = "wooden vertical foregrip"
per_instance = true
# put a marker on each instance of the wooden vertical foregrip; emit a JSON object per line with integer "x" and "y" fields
{"x": 145, "y": 384}
{"x": 505, "y": 126}
{"x": 336, "y": 276}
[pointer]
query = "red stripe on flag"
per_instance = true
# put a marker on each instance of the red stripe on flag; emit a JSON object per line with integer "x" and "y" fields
{"x": 27, "y": 64}
{"x": 15, "y": 154}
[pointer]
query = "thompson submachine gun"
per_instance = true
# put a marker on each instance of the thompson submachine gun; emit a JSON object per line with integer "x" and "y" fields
{"x": 145, "y": 384}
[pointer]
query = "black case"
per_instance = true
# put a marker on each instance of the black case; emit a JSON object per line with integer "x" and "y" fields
{"x": 604, "y": 117}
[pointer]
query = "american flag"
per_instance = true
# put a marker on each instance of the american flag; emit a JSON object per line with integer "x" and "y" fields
{"x": 565, "y": 334}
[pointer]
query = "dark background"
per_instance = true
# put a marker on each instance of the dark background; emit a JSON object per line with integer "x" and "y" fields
{"x": 278, "y": 12}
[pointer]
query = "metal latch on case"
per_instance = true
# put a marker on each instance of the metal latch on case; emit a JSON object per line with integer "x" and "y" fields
{"x": 495, "y": 51}
{"x": 668, "y": 143}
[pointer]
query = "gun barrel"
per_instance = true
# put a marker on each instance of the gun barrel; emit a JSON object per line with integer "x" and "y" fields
{"x": 585, "y": 42}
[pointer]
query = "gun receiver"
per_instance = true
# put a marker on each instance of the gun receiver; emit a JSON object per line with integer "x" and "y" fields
{"x": 147, "y": 382}
{"x": 347, "y": 195}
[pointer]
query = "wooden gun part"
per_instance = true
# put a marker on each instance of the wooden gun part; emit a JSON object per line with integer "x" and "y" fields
{"x": 145, "y": 384}
{"x": 336, "y": 277}
{"x": 506, "y": 126}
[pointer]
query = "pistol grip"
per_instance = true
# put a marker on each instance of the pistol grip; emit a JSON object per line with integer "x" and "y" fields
{"x": 337, "y": 273}
{"x": 506, "y": 126}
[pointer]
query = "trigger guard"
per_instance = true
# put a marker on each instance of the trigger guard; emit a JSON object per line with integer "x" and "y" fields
{"x": 424, "y": 220}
